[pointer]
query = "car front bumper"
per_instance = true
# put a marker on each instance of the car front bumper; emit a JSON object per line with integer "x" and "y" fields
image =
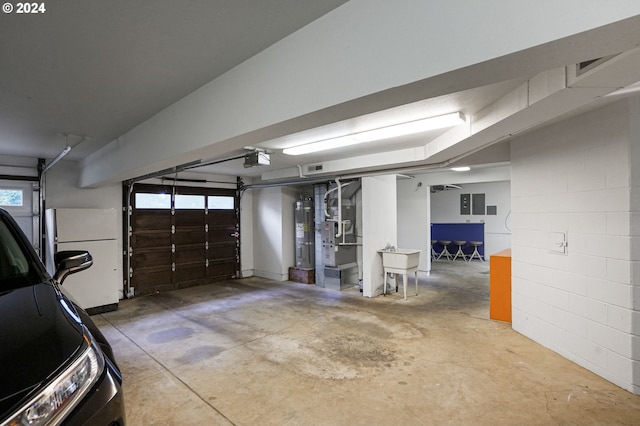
{"x": 104, "y": 404}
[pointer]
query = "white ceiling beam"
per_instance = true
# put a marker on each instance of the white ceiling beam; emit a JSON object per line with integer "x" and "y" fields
{"x": 365, "y": 56}
{"x": 542, "y": 99}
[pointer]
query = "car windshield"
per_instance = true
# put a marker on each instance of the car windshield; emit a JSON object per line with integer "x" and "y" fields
{"x": 16, "y": 265}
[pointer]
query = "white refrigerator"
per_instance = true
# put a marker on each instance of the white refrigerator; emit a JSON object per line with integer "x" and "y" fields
{"x": 98, "y": 288}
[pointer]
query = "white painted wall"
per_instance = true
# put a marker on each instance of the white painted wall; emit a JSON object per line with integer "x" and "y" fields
{"x": 379, "y": 219}
{"x": 414, "y": 215}
{"x": 445, "y": 208}
{"x": 628, "y": 320}
{"x": 574, "y": 177}
{"x": 62, "y": 191}
{"x": 247, "y": 234}
{"x": 273, "y": 232}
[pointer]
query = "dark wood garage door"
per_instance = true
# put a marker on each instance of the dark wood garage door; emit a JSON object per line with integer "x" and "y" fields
{"x": 182, "y": 237}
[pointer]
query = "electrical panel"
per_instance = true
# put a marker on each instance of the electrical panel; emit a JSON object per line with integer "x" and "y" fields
{"x": 477, "y": 202}
{"x": 465, "y": 204}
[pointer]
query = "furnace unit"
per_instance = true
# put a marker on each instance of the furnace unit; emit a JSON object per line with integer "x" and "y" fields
{"x": 305, "y": 246}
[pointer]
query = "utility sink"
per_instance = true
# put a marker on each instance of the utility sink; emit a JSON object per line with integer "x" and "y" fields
{"x": 400, "y": 261}
{"x": 400, "y": 258}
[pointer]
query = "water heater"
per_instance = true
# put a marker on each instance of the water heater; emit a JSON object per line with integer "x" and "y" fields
{"x": 305, "y": 236}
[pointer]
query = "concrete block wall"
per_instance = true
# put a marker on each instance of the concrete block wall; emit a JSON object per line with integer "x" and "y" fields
{"x": 624, "y": 318}
{"x": 573, "y": 180}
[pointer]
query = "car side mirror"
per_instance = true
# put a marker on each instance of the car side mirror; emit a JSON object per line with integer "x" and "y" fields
{"x": 69, "y": 262}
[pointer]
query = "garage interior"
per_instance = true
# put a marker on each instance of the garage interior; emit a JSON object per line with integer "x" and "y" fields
{"x": 252, "y": 351}
{"x": 243, "y": 279}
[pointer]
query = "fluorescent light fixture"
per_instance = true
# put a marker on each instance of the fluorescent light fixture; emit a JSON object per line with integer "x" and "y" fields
{"x": 461, "y": 169}
{"x": 402, "y": 129}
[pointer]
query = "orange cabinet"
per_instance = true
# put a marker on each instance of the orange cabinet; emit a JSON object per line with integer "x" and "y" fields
{"x": 500, "y": 286}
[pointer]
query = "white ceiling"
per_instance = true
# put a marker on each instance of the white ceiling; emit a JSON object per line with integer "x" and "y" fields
{"x": 468, "y": 102}
{"x": 96, "y": 69}
{"x": 86, "y": 72}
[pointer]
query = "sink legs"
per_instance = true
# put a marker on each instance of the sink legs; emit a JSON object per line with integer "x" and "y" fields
{"x": 405, "y": 279}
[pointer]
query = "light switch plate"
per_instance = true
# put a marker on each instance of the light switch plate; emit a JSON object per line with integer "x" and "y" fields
{"x": 557, "y": 242}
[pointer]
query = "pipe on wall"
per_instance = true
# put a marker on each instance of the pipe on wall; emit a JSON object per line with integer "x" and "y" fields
{"x": 339, "y": 233}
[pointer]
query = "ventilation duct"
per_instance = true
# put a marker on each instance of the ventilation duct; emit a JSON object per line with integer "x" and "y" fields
{"x": 440, "y": 188}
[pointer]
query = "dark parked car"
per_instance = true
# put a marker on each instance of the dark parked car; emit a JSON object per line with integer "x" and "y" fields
{"x": 55, "y": 365}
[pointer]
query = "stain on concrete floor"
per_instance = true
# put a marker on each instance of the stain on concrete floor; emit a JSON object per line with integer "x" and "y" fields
{"x": 254, "y": 351}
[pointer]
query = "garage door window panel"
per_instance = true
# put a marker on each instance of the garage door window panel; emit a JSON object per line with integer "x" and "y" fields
{"x": 153, "y": 201}
{"x": 11, "y": 197}
{"x": 221, "y": 202}
{"x": 189, "y": 202}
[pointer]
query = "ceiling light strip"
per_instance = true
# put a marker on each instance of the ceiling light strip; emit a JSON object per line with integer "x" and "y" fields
{"x": 396, "y": 130}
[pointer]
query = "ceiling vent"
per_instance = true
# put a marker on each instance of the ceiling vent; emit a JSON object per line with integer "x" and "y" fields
{"x": 587, "y": 66}
{"x": 312, "y": 169}
{"x": 439, "y": 188}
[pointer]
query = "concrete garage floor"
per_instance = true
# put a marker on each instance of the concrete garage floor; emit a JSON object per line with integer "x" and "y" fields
{"x": 258, "y": 352}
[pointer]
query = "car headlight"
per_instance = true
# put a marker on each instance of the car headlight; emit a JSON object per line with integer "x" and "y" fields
{"x": 64, "y": 392}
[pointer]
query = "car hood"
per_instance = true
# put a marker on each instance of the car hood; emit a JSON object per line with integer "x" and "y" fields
{"x": 37, "y": 337}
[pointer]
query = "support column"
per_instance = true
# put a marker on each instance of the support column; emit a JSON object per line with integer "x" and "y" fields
{"x": 379, "y": 219}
